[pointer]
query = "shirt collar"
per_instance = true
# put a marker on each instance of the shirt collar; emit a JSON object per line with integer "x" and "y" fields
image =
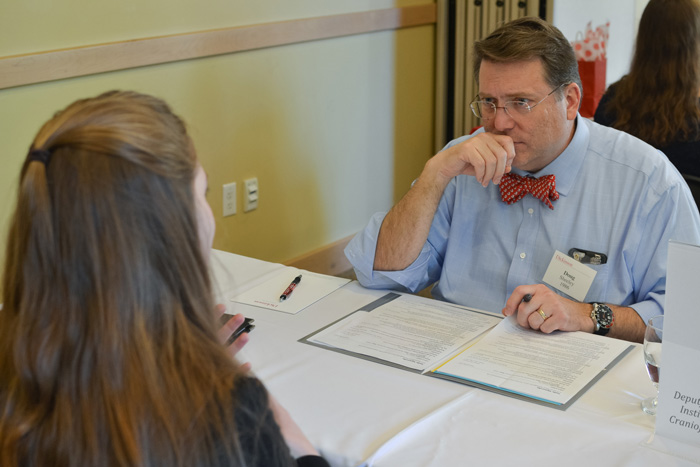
{"x": 568, "y": 164}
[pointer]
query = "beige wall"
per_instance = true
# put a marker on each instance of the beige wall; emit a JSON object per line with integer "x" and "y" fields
{"x": 333, "y": 129}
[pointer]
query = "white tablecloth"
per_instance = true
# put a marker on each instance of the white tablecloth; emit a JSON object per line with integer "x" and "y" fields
{"x": 356, "y": 411}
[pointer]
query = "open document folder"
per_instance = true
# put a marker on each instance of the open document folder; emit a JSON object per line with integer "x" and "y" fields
{"x": 310, "y": 289}
{"x": 473, "y": 347}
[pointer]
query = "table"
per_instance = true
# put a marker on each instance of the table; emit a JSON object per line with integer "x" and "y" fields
{"x": 359, "y": 412}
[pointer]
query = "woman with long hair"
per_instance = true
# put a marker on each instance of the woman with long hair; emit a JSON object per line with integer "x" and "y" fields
{"x": 657, "y": 101}
{"x": 109, "y": 354}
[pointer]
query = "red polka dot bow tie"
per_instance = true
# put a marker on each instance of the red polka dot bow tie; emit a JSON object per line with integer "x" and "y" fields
{"x": 514, "y": 188}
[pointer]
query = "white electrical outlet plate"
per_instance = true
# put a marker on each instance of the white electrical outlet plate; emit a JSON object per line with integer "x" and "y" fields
{"x": 250, "y": 197}
{"x": 229, "y": 199}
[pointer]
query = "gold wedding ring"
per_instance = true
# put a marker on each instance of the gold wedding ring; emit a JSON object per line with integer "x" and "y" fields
{"x": 542, "y": 314}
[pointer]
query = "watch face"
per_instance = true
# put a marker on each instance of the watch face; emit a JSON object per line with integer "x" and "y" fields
{"x": 603, "y": 315}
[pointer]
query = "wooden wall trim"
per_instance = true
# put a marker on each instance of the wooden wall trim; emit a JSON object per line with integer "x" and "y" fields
{"x": 40, "y": 67}
{"x": 329, "y": 259}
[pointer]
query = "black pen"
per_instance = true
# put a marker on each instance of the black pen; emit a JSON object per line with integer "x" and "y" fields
{"x": 285, "y": 295}
{"x": 527, "y": 297}
{"x": 247, "y": 326}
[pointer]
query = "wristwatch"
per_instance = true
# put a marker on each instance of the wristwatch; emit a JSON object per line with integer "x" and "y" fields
{"x": 602, "y": 317}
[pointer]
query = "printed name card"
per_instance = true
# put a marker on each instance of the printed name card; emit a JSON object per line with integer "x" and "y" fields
{"x": 678, "y": 412}
{"x": 569, "y": 276}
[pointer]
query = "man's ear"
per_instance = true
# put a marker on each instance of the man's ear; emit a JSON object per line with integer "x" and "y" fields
{"x": 572, "y": 96}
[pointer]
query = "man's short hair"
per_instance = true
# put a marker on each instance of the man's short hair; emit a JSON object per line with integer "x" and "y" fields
{"x": 528, "y": 38}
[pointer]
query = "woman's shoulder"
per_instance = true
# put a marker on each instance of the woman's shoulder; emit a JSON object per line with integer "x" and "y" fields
{"x": 251, "y": 399}
{"x": 249, "y": 387}
{"x": 258, "y": 434}
{"x": 685, "y": 155}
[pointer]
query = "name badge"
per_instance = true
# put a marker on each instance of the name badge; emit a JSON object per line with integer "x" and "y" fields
{"x": 569, "y": 276}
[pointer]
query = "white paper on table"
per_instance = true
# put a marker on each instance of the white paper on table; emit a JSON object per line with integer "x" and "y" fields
{"x": 550, "y": 367}
{"x": 408, "y": 331}
{"x": 311, "y": 289}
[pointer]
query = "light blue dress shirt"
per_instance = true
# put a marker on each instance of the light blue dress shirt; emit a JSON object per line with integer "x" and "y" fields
{"x": 618, "y": 196}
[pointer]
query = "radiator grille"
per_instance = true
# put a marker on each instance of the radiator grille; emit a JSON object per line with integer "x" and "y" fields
{"x": 460, "y": 24}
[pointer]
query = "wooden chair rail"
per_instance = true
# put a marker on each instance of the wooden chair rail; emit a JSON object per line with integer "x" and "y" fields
{"x": 52, "y": 65}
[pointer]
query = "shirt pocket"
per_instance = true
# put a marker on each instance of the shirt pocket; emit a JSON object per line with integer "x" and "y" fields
{"x": 598, "y": 292}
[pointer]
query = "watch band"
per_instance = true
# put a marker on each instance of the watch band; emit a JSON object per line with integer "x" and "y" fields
{"x": 601, "y": 331}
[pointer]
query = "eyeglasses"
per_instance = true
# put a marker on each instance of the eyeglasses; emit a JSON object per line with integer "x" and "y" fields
{"x": 486, "y": 110}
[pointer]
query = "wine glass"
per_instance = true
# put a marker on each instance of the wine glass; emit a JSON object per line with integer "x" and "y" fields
{"x": 652, "y": 358}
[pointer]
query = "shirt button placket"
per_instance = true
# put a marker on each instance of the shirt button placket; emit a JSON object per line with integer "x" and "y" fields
{"x": 525, "y": 243}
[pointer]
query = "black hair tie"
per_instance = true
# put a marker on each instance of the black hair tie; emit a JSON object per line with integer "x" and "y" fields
{"x": 40, "y": 155}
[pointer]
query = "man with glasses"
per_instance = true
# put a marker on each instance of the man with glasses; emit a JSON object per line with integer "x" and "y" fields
{"x": 541, "y": 214}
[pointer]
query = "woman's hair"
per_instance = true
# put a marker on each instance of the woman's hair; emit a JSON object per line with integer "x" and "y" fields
{"x": 108, "y": 346}
{"x": 530, "y": 38}
{"x": 658, "y": 100}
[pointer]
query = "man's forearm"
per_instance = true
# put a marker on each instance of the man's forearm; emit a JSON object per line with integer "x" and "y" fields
{"x": 405, "y": 228}
{"x": 628, "y": 325}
